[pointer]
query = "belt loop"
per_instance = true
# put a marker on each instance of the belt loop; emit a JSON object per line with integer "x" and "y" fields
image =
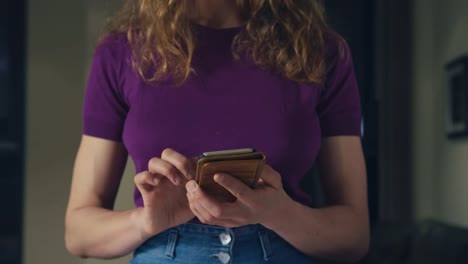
{"x": 171, "y": 244}
{"x": 265, "y": 242}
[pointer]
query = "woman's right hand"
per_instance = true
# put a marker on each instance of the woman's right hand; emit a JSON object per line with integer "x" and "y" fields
{"x": 163, "y": 190}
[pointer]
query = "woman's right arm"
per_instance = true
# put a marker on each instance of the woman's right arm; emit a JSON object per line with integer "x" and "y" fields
{"x": 92, "y": 228}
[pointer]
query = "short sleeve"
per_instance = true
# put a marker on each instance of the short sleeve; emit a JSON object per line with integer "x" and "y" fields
{"x": 339, "y": 107}
{"x": 104, "y": 109}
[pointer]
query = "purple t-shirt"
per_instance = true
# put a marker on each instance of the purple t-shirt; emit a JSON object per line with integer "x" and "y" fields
{"x": 229, "y": 104}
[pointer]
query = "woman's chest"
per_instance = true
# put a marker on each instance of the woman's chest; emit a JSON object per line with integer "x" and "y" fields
{"x": 225, "y": 108}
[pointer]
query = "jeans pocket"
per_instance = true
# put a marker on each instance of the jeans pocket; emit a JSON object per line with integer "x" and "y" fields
{"x": 265, "y": 242}
{"x": 171, "y": 244}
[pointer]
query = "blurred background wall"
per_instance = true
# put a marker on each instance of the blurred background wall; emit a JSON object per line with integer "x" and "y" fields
{"x": 60, "y": 41}
{"x": 440, "y": 165}
{"x": 61, "y": 38}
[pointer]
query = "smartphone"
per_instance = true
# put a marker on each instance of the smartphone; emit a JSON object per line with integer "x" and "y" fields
{"x": 244, "y": 164}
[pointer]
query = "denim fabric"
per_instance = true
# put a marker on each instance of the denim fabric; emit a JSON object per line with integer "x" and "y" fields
{"x": 196, "y": 243}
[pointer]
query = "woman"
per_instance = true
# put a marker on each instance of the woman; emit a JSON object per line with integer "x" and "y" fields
{"x": 173, "y": 79}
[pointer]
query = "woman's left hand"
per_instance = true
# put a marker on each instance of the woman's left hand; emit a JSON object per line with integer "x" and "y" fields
{"x": 252, "y": 206}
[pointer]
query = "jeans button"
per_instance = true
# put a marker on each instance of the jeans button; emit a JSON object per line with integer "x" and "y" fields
{"x": 224, "y": 257}
{"x": 225, "y": 238}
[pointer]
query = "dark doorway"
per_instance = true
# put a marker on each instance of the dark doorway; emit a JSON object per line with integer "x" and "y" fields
{"x": 354, "y": 20}
{"x": 380, "y": 41}
{"x": 12, "y": 90}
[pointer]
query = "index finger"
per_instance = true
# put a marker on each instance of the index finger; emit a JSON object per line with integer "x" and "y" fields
{"x": 159, "y": 166}
{"x": 182, "y": 163}
{"x": 236, "y": 187}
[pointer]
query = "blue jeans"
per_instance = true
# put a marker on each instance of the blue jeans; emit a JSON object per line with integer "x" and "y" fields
{"x": 196, "y": 243}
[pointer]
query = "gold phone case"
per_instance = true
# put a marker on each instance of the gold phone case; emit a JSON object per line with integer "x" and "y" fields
{"x": 246, "y": 167}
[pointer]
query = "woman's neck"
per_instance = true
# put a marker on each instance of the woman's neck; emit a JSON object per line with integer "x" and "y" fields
{"x": 216, "y": 13}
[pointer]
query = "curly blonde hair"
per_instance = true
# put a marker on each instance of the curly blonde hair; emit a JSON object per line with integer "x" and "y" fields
{"x": 287, "y": 36}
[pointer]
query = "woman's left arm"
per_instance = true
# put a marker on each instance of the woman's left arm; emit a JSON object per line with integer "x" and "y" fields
{"x": 339, "y": 231}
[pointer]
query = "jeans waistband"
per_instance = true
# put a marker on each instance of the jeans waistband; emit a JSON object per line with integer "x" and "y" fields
{"x": 209, "y": 229}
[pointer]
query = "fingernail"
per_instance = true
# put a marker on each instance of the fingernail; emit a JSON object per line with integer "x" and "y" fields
{"x": 156, "y": 180}
{"x": 192, "y": 173}
{"x": 190, "y": 176}
{"x": 192, "y": 186}
{"x": 177, "y": 180}
{"x": 218, "y": 177}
